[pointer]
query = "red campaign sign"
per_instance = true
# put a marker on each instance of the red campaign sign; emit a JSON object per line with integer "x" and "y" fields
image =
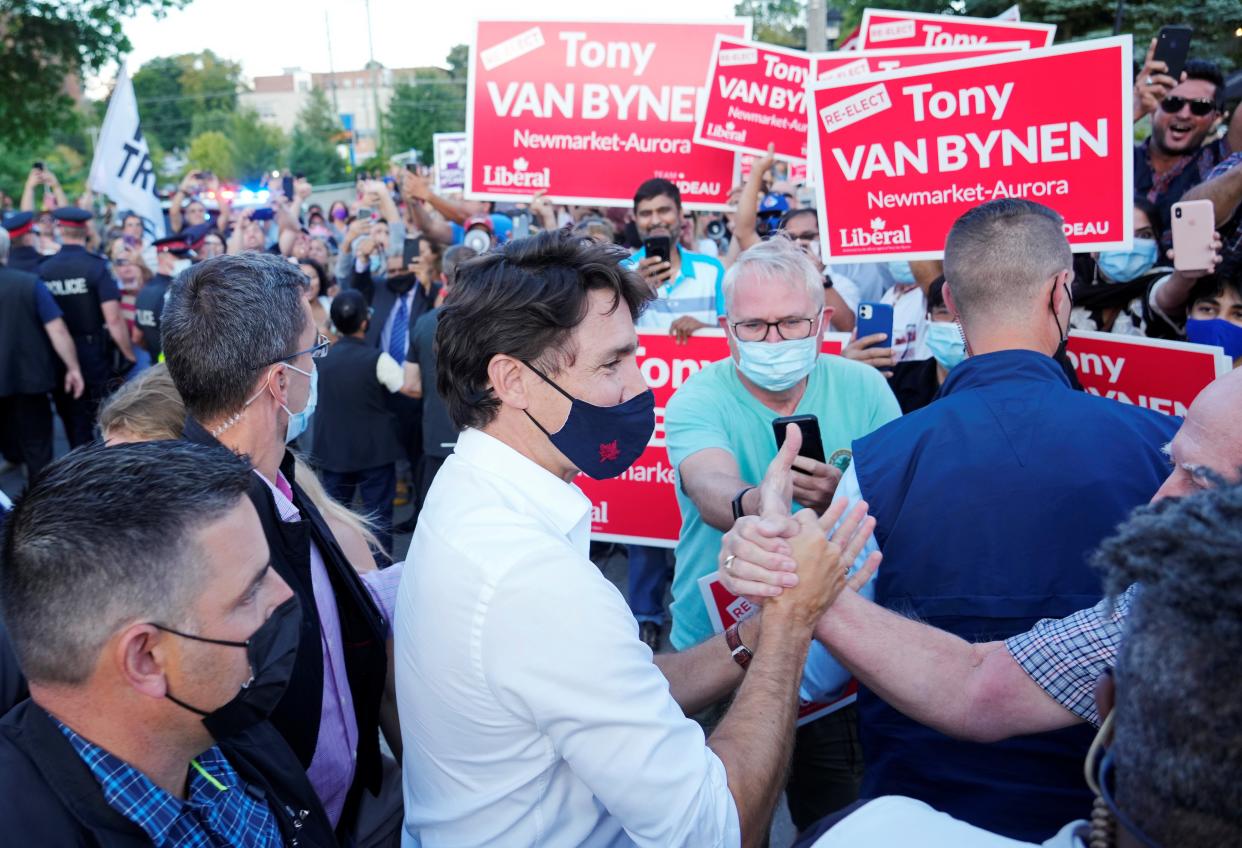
{"x": 904, "y": 153}
{"x": 850, "y": 64}
{"x": 1159, "y": 375}
{"x": 726, "y": 609}
{"x": 640, "y": 506}
{"x": 887, "y": 28}
{"x": 795, "y": 172}
{"x": 588, "y": 110}
{"x": 755, "y": 97}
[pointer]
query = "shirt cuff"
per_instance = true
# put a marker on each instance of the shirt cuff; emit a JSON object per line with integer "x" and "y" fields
{"x": 389, "y": 373}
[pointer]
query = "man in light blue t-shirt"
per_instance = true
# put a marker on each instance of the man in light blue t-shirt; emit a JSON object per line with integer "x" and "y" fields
{"x": 689, "y": 297}
{"x": 720, "y": 441}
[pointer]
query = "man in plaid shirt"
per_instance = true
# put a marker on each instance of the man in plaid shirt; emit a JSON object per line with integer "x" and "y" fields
{"x": 1033, "y": 682}
{"x": 139, "y": 598}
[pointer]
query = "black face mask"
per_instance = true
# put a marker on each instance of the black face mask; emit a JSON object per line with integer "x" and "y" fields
{"x": 271, "y": 651}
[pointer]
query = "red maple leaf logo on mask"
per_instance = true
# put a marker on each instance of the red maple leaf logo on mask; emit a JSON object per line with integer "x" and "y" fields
{"x": 609, "y": 451}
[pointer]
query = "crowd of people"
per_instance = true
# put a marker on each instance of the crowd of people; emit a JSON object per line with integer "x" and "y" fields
{"x": 209, "y": 634}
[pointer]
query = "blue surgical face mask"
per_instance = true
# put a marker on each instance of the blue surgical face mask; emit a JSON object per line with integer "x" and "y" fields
{"x": 1122, "y": 266}
{"x": 901, "y": 273}
{"x": 1215, "y": 331}
{"x": 602, "y": 441}
{"x": 777, "y": 366}
{"x": 299, "y": 420}
{"x": 947, "y": 345}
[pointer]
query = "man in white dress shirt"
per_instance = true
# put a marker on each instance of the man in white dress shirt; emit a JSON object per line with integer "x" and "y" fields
{"x": 531, "y": 712}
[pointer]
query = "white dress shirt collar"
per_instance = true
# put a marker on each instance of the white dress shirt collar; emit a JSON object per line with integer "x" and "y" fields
{"x": 562, "y": 504}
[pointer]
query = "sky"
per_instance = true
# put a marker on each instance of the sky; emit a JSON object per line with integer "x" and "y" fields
{"x": 267, "y": 36}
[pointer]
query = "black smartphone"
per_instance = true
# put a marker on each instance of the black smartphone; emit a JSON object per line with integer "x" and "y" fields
{"x": 286, "y": 187}
{"x": 812, "y": 444}
{"x": 410, "y": 250}
{"x": 1172, "y": 47}
{"x": 263, "y": 213}
{"x": 658, "y": 246}
{"x": 38, "y": 166}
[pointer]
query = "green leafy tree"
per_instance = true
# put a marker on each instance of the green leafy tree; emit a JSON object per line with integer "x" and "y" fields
{"x": 257, "y": 147}
{"x": 312, "y": 147}
{"x": 780, "y": 22}
{"x": 212, "y": 151}
{"x": 180, "y": 97}
{"x": 45, "y": 45}
{"x": 434, "y": 102}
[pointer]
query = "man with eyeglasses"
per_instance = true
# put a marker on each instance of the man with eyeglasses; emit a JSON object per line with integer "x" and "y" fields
{"x": 720, "y": 439}
{"x": 241, "y": 346}
{"x": 1174, "y": 159}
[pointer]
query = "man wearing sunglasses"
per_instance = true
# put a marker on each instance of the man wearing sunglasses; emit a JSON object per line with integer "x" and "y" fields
{"x": 241, "y": 346}
{"x": 1175, "y": 159}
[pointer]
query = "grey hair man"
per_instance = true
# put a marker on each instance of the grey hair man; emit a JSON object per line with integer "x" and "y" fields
{"x": 138, "y": 595}
{"x": 241, "y": 346}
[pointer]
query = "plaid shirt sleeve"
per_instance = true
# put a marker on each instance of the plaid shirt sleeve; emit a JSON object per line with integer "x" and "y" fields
{"x": 1065, "y": 656}
{"x": 1232, "y": 161}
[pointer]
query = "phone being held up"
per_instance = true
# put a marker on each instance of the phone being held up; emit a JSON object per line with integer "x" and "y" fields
{"x": 1194, "y": 223}
{"x": 1172, "y": 47}
{"x": 658, "y": 246}
{"x": 812, "y": 443}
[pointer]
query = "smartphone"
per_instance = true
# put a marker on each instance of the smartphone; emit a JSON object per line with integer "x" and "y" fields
{"x": 38, "y": 166}
{"x": 286, "y": 187}
{"x": 812, "y": 444}
{"x": 1172, "y": 47}
{"x": 263, "y": 213}
{"x": 365, "y": 213}
{"x": 658, "y": 246}
{"x": 410, "y": 250}
{"x": 876, "y": 318}
{"x": 1194, "y": 221}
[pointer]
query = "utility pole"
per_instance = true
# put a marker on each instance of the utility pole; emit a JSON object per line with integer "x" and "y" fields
{"x": 816, "y": 39}
{"x": 336, "y": 107}
{"x": 379, "y": 121}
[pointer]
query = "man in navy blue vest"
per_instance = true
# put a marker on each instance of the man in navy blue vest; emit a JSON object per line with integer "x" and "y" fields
{"x": 988, "y": 503}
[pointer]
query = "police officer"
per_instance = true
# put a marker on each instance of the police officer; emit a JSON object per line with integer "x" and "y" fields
{"x": 87, "y": 293}
{"x": 149, "y": 305}
{"x": 29, "y": 318}
{"x": 24, "y": 253}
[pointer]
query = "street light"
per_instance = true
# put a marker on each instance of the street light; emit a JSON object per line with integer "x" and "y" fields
{"x": 833, "y": 28}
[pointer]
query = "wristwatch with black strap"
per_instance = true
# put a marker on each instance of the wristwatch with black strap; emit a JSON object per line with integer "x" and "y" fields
{"x": 738, "y": 510}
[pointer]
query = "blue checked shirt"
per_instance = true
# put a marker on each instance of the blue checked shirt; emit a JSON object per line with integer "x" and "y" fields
{"x": 1066, "y": 655}
{"x": 209, "y": 817}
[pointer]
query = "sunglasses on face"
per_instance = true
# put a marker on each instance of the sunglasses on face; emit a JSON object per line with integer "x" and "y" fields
{"x": 1200, "y": 106}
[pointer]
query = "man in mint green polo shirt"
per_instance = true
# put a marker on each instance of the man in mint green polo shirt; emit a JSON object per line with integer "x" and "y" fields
{"x": 720, "y": 440}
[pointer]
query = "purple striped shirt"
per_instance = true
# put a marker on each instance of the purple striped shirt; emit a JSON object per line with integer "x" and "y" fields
{"x": 332, "y": 767}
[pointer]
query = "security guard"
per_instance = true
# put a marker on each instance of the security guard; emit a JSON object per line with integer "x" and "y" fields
{"x": 29, "y": 318}
{"x": 149, "y": 305}
{"x": 24, "y": 253}
{"x": 87, "y": 293}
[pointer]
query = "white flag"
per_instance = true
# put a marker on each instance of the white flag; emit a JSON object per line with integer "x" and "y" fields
{"x": 122, "y": 168}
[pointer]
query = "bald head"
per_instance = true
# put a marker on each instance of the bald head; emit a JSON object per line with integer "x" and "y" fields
{"x": 999, "y": 255}
{"x": 1209, "y": 441}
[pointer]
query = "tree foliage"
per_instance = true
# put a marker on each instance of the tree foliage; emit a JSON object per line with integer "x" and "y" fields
{"x": 176, "y": 93}
{"x": 255, "y": 145}
{"x": 434, "y": 102}
{"x": 313, "y": 145}
{"x": 44, "y": 43}
{"x": 776, "y": 21}
{"x": 212, "y": 151}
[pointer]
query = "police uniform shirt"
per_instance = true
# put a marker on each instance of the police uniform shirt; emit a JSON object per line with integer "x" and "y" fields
{"x": 80, "y": 281}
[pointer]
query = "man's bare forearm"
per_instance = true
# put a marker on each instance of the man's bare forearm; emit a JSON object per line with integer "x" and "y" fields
{"x": 700, "y": 676}
{"x": 755, "y": 738}
{"x": 712, "y": 493}
{"x": 1224, "y": 191}
{"x": 964, "y": 690}
{"x": 62, "y": 343}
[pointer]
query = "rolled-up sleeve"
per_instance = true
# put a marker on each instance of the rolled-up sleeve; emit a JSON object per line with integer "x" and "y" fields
{"x": 581, "y": 675}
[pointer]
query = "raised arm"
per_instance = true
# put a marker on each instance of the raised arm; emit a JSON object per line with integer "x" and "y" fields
{"x": 1224, "y": 190}
{"x": 744, "y": 231}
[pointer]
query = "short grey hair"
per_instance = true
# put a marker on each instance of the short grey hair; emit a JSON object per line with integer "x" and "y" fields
{"x": 106, "y": 537}
{"x": 227, "y": 318}
{"x": 998, "y": 255}
{"x": 777, "y": 258}
{"x": 4, "y": 246}
{"x": 454, "y": 257}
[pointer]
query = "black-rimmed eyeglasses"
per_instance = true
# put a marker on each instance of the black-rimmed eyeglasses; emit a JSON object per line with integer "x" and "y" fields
{"x": 789, "y": 329}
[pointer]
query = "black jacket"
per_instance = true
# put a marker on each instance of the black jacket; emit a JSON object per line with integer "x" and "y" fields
{"x": 355, "y": 428}
{"x": 50, "y": 797}
{"x": 382, "y": 297}
{"x": 363, "y": 630}
{"x": 27, "y": 362}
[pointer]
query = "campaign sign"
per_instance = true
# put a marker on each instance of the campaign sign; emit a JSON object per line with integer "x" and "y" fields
{"x": 452, "y": 155}
{"x": 588, "y": 110}
{"x": 1162, "y": 376}
{"x": 640, "y": 506}
{"x": 848, "y": 64}
{"x": 888, "y": 28}
{"x": 726, "y": 609}
{"x": 755, "y": 97}
{"x": 904, "y": 153}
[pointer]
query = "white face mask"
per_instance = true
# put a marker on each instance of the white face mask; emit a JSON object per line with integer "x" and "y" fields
{"x": 777, "y": 366}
